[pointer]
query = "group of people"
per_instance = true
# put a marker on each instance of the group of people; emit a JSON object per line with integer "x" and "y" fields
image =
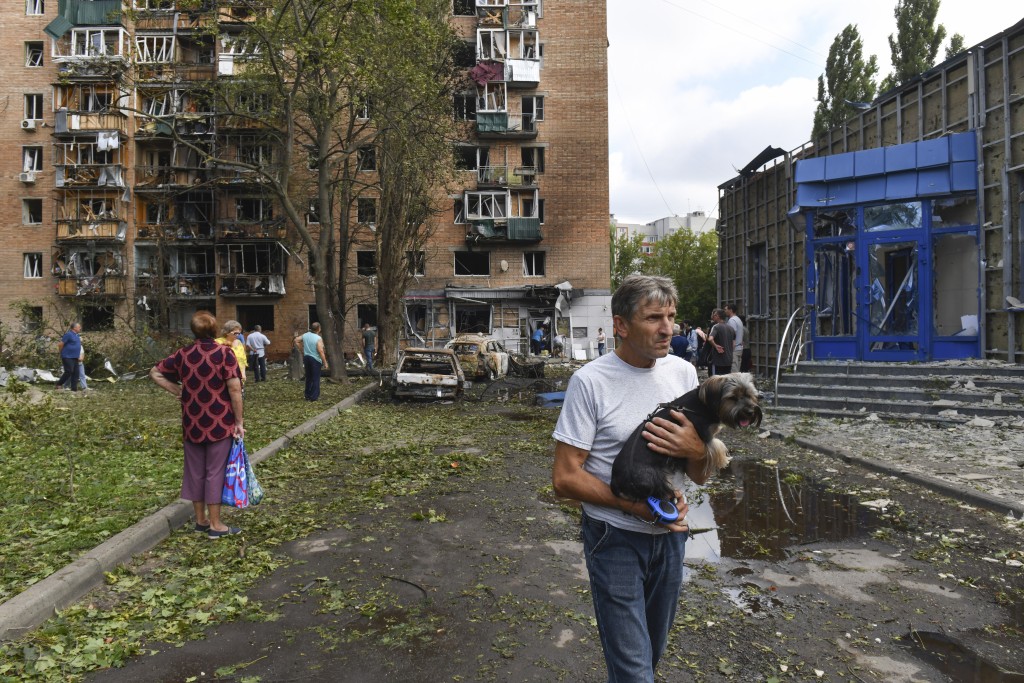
{"x": 542, "y": 340}
{"x": 720, "y": 349}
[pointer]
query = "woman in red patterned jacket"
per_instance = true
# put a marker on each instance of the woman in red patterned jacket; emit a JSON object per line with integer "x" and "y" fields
{"x": 204, "y": 375}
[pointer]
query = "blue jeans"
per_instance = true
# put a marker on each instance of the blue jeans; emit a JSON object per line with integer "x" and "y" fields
{"x": 635, "y": 580}
{"x": 369, "y": 357}
{"x": 312, "y": 366}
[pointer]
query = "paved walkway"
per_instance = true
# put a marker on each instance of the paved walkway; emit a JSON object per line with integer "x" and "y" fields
{"x": 981, "y": 465}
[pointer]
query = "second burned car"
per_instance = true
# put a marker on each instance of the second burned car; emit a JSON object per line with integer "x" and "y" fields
{"x": 480, "y": 356}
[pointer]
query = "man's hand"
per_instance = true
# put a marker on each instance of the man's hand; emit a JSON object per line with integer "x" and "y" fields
{"x": 643, "y": 511}
{"x": 675, "y": 438}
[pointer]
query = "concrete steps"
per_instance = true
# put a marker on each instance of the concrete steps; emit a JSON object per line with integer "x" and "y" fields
{"x": 946, "y": 391}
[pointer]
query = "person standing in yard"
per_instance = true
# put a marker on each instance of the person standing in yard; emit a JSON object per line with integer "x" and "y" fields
{"x": 204, "y": 376}
{"x": 635, "y": 563}
{"x": 737, "y": 328}
{"x": 369, "y": 339}
{"x": 229, "y": 336}
{"x": 258, "y": 343}
{"x": 70, "y": 348}
{"x": 602, "y": 341}
{"x": 721, "y": 339}
{"x": 691, "y": 341}
{"x": 314, "y": 360}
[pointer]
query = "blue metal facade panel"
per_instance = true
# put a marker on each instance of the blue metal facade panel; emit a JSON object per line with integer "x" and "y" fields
{"x": 963, "y": 147}
{"x": 901, "y": 185}
{"x": 870, "y": 189}
{"x": 810, "y": 170}
{"x": 900, "y": 157}
{"x": 869, "y": 162}
{"x": 933, "y": 181}
{"x": 964, "y": 176}
{"x": 933, "y": 153}
{"x": 839, "y": 166}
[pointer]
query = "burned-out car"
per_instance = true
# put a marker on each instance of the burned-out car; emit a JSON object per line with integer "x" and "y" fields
{"x": 428, "y": 373}
{"x": 480, "y": 356}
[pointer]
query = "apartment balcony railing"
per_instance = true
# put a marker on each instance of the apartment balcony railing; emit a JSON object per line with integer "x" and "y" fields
{"x": 252, "y": 285}
{"x": 175, "y": 71}
{"x": 177, "y": 286}
{"x": 166, "y": 177}
{"x": 89, "y": 175}
{"x": 505, "y": 125}
{"x": 273, "y": 229}
{"x": 512, "y": 229}
{"x": 506, "y": 176}
{"x": 173, "y": 230}
{"x": 92, "y": 286}
{"x": 78, "y": 230}
{"x": 68, "y": 122}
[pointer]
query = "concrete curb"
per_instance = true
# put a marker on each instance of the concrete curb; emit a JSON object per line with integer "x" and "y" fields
{"x": 30, "y": 608}
{"x": 961, "y": 493}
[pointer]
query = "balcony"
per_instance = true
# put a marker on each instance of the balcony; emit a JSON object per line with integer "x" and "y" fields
{"x": 506, "y": 176}
{"x": 516, "y": 229}
{"x": 173, "y": 230}
{"x": 89, "y": 176}
{"x": 92, "y": 286}
{"x": 252, "y": 285}
{"x": 168, "y": 178}
{"x": 503, "y": 125}
{"x": 177, "y": 287}
{"x": 176, "y": 72}
{"x": 273, "y": 229}
{"x": 77, "y": 230}
{"x": 69, "y": 122}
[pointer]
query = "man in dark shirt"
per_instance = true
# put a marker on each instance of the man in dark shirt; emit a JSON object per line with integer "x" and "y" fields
{"x": 722, "y": 339}
{"x": 369, "y": 339}
{"x": 680, "y": 344}
{"x": 70, "y": 347}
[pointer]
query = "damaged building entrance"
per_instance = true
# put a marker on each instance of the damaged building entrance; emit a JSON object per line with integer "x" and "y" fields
{"x": 894, "y": 274}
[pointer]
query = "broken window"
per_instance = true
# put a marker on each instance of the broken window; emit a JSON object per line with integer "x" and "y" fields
{"x": 483, "y": 205}
{"x": 31, "y": 211}
{"x": 154, "y": 5}
{"x": 955, "y": 268}
{"x": 255, "y": 154}
{"x": 835, "y": 222}
{"x": 155, "y": 49}
{"x": 465, "y": 54}
{"x": 470, "y": 158}
{"x": 251, "y": 315}
{"x": 757, "y": 279}
{"x": 898, "y": 216}
{"x": 34, "y": 7}
{"x": 491, "y": 45}
{"x": 523, "y": 45}
{"x": 540, "y": 210}
{"x": 313, "y": 212}
{"x": 32, "y": 318}
{"x": 33, "y": 265}
{"x": 491, "y": 97}
{"x": 533, "y": 159}
{"x": 253, "y": 209}
{"x": 459, "y": 209}
{"x": 32, "y": 159}
{"x": 34, "y": 106}
{"x": 417, "y": 262}
{"x": 533, "y": 263}
{"x": 97, "y": 42}
{"x": 366, "y": 262}
{"x": 34, "y": 53}
{"x": 158, "y": 103}
{"x": 465, "y": 106}
{"x": 254, "y": 258}
{"x": 98, "y": 317}
{"x": 366, "y": 159}
{"x": 472, "y": 263}
{"x": 533, "y": 111}
{"x": 835, "y": 273}
{"x": 955, "y": 211}
{"x": 366, "y": 211}
{"x": 460, "y": 8}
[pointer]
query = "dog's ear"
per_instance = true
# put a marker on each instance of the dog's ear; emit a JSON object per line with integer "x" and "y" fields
{"x": 712, "y": 391}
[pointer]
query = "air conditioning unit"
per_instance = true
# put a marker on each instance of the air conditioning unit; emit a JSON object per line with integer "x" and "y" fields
{"x": 28, "y": 124}
{"x": 28, "y": 177}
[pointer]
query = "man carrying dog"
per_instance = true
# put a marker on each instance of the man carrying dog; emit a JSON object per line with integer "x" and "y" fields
{"x": 635, "y": 564}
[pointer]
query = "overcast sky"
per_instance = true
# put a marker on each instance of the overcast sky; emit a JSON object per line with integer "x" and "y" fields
{"x": 697, "y": 88}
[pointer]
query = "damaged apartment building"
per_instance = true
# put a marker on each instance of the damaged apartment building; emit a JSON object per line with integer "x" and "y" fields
{"x": 112, "y": 212}
{"x": 898, "y": 236}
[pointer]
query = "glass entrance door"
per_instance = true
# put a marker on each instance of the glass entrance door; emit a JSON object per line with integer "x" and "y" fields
{"x": 891, "y": 303}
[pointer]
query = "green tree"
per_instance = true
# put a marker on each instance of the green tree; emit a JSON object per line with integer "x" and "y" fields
{"x": 627, "y": 258}
{"x": 955, "y": 47}
{"x": 916, "y": 41}
{"x": 321, "y": 82}
{"x": 848, "y": 78}
{"x": 691, "y": 260}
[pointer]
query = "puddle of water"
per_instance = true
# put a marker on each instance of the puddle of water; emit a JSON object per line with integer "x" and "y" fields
{"x": 752, "y": 600}
{"x": 960, "y": 663}
{"x": 749, "y": 519}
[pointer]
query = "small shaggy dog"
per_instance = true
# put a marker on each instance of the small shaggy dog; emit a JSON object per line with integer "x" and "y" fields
{"x": 730, "y": 400}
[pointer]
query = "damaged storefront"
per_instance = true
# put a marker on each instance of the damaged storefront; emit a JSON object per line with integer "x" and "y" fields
{"x": 510, "y": 315}
{"x": 896, "y": 236}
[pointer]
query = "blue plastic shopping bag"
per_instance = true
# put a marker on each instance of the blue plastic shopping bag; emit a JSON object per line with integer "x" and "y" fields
{"x": 236, "y": 480}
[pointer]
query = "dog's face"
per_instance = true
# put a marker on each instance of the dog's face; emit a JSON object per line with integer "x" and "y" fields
{"x": 734, "y": 398}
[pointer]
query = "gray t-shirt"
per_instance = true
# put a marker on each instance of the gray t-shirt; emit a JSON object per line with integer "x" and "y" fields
{"x": 737, "y": 328}
{"x": 605, "y": 401}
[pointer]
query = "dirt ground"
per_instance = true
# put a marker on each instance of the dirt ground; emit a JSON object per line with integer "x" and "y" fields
{"x": 796, "y": 580}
